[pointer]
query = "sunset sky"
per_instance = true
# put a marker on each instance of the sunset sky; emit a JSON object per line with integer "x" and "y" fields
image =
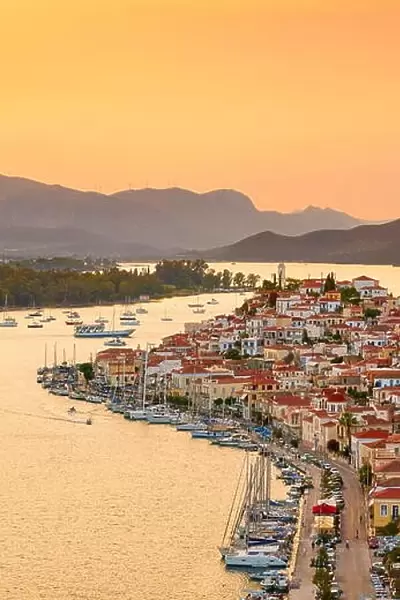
{"x": 294, "y": 102}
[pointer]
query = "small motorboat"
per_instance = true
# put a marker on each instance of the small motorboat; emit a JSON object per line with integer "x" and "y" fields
{"x": 88, "y": 421}
{"x": 35, "y": 325}
{"x": 115, "y": 343}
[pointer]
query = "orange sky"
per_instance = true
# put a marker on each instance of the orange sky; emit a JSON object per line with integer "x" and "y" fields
{"x": 294, "y": 102}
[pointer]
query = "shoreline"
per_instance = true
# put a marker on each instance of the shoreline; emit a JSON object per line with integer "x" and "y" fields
{"x": 136, "y": 302}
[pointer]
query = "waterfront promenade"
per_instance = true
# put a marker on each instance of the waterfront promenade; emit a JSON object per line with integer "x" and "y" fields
{"x": 353, "y": 564}
{"x": 302, "y": 572}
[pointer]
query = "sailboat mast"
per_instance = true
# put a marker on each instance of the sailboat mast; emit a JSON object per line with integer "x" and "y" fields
{"x": 146, "y": 362}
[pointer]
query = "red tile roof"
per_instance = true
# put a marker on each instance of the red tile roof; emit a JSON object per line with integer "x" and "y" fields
{"x": 387, "y": 494}
{"x": 371, "y": 434}
{"x": 390, "y": 467}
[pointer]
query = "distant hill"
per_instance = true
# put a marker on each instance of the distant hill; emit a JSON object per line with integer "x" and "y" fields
{"x": 158, "y": 220}
{"x": 367, "y": 244}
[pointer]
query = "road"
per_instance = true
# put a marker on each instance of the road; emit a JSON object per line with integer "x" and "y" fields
{"x": 353, "y": 565}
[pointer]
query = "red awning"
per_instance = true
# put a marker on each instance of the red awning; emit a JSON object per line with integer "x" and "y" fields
{"x": 324, "y": 509}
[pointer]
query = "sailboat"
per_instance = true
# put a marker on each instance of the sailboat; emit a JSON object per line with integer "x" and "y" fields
{"x": 196, "y": 304}
{"x": 7, "y": 321}
{"x": 166, "y": 317}
{"x": 141, "y": 414}
{"x": 251, "y": 549}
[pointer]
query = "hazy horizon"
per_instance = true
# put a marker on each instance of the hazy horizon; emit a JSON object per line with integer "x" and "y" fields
{"x": 290, "y": 102}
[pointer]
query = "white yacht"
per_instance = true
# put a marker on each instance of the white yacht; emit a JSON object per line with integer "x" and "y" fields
{"x": 199, "y": 311}
{"x": 138, "y": 415}
{"x": 191, "y": 427}
{"x": 213, "y": 302}
{"x": 74, "y": 321}
{"x": 254, "y": 559}
{"x": 141, "y": 310}
{"x": 8, "y": 322}
{"x": 155, "y": 418}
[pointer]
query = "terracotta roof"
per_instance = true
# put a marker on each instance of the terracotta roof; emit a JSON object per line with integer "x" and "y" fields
{"x": 291, "y": 401}
{"x": 371, "y": 434}
{"x": 387, "y": 494}
{"x": 392, "y": 482}
{"x": 364, "y": 278}
{"x": 390, "y": 467}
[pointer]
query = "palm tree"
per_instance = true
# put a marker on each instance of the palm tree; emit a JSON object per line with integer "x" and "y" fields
{"x": 348, "y": 421}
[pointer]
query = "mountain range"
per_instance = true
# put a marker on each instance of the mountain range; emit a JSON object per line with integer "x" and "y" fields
{"x": 367, "y": 244}
{"x": 41, "y": 219}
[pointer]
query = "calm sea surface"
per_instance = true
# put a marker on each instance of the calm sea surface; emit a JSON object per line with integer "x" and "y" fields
{"x": 118, "y": 510}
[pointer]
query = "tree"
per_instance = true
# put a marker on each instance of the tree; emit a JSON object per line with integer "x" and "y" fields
{"x": 371, "y": 314}
{"x": 289, "y": 358}
{"x": 239, "y": 279}
{"x": 350, "y": 295}
{"x": 330, "y": 283}
{"x": 233, "y": 354}
{"x": 252, "y": 280}
{"x": 87, "y": 371}
{"x": 268, "y": 285}
{"x": 333, "y": 446}
{"x": 292, "y": 285}
{"x": 348, "y": 421}
{"x": 226, "y": 279}
{"x": 365, "y": 475}
{"x": 272, "y": 298}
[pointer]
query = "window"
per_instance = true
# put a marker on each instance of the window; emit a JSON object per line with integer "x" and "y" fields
{"x": 395, "y": 511}
{"x": 384, "y": 510}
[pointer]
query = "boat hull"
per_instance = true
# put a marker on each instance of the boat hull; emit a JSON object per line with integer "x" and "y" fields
{"x": 123, "y": 333}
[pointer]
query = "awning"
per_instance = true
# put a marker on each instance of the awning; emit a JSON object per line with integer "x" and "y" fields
{"x": 324, "y": 509}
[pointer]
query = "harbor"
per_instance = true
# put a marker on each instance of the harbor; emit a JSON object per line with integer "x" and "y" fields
{"x": 199, "y": 437}
{"x": 261, "y": 533}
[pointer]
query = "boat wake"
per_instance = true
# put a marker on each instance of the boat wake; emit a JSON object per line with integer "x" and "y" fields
{"x": 43, "y": 417}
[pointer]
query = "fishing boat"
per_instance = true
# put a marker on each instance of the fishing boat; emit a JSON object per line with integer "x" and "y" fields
{"x": 99, "y": 331}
